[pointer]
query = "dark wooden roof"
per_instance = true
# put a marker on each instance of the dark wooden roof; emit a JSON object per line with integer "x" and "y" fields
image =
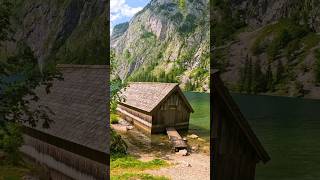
{"x": 147, "y": 96}
{"x": 220, "y": 90}
{"x": 80, "y": 106}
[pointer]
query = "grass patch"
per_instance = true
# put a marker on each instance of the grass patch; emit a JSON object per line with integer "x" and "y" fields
{"x": 127, "y": 176}
{"x": 17, "y": 172}
{"x": 130, "y": 162}
{"x": 13, "y": 172}
{"x": 310, "y": 41}
{"x": 129, "y": 167}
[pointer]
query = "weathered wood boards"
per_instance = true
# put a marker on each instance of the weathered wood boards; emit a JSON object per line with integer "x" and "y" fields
{"x": 236, "y": 149}
{"x": 153, "y": 107}
{"x": 78, "y": 139}
{"x": 175, "y": 138}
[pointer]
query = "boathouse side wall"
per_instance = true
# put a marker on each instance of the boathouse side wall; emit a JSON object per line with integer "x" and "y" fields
{"x": 50, "y": 151}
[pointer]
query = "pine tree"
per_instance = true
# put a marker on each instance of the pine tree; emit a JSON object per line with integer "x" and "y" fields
{"x": 258, "y": 79}
{"x": 280, "y": 71}
{"x": 249, "y": 78}
{"x": 244, "y": 75}
{"x": 269, "y": 78}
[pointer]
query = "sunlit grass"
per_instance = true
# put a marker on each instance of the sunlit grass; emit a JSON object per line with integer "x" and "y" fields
{"x": 129, "y": 167}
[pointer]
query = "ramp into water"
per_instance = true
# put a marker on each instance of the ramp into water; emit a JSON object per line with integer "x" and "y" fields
{"x": 176, "y": 140}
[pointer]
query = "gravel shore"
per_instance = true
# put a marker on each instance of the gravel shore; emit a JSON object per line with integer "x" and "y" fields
{"x": 192, "y": 167}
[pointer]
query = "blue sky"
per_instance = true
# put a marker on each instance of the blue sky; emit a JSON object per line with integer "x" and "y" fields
{"x": 123, "y": 10}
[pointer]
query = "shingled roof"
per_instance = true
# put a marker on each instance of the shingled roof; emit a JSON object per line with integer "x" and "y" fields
{"x": 80, "y": 106}
{"x": 147, "y": 96}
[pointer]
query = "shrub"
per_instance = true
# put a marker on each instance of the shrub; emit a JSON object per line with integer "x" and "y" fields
{"x": 117, "y": 145}
{"x": 317, "y": 68}
{"x": 10, "y": 141}
{"x": 114, "y": 119}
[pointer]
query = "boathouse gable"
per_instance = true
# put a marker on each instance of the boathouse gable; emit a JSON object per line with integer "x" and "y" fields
{"x": 155, "y": 106}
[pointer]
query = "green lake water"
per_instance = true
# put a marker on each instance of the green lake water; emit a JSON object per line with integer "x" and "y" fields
{"x": 200, "y": 119}
{"x": 289, "y": 129}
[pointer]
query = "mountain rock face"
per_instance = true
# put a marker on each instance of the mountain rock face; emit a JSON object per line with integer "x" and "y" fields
{"x": 271, "y": 46}
{"x": 167, "y": 41}
{"x": 67, "y": 31}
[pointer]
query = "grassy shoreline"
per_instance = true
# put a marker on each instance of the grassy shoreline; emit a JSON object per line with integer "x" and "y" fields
{"x": 124, "y": 167}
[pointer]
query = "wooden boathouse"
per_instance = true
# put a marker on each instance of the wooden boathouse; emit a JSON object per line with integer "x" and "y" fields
{"x": 153, "y": 107}
{"x": 76, "y": 144}
{"x": 236, "y": 149}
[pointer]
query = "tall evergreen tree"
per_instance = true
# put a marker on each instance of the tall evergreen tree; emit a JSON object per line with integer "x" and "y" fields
{"x": 269, "y": 78}
{"x": 258, "y": 78}
{"x": 249, "y": 77}
{"x": 280, "y": 71}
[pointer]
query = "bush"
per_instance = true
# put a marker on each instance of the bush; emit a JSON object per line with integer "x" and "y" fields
{"x": 10, "y": 141}
{"x": 317, "y": 68}
{"x": 114, "y": 119}
{"x": 117, "y": 145}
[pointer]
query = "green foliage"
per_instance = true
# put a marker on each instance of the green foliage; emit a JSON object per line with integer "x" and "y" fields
{"x": 147, "y": 34}
{"x": 127, "y": 54}
{"x": 182, "y": 4}
{"x": 253, "y": 80}
{"x": 114, "y": 118}
{"x": 317, "y": 68}
{"x": 116, "y": 84}
{"x": 132, "y": 168}
{"x": 178, "y": 17}
{"x": 117, "y": 145}
{"x": 188, "y": 25}
{"x": 5, "y": 13}
{"x": 225, "y": 27}
{"x": 286, "y": 34}
{"x": 120, "y": 28}
{"x": 21, "y": 75}
{"x": 126, "y": 161}
{"x": 87, "y": 43}
{"x": 10, "y": 141}
{"x": 280, "y": 72}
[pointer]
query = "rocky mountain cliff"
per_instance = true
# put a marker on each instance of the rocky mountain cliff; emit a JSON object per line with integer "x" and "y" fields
{"x": 167, "y": 41}
{"x": 268, "y": 46}
{"x": 66, "y": 31}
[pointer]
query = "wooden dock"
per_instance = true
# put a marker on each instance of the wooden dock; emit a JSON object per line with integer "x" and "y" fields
{"x": 176, "y": 140}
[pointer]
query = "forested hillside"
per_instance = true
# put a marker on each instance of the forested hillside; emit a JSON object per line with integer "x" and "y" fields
{"x": 268, "y": 47}
{"x": 168, "y": 41}
{"x": 65, "y": 31}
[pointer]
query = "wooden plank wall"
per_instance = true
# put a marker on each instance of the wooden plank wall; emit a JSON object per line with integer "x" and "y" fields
{"x": 234, "y": 157}
{"x": 141, "y": 115}
{"x": 181, "y": 113}
{"x": 75, "y": 165}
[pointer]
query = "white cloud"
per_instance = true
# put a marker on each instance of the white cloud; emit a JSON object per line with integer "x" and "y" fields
{"x": 119, "y": 9}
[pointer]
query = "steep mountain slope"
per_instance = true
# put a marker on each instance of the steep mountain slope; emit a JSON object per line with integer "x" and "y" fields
{"x": 67, "y": 31}
{"x": 167, "y": 41}
{"x": 268, "y": 46}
